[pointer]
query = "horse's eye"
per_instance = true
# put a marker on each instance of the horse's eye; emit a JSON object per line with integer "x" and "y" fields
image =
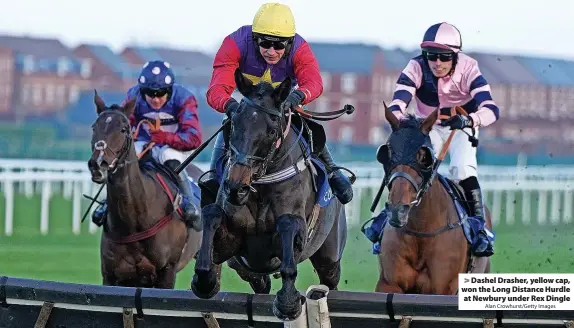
{"x": 272, "y": 132}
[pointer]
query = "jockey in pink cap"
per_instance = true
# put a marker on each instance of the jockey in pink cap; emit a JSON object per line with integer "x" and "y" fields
{"x": 444, "y": 77}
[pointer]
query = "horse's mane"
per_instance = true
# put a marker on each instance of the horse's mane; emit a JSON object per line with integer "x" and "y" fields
{"x": 410, "y": 122}
{"x": 115, "y": 107}
{"x": 262, "y": 88}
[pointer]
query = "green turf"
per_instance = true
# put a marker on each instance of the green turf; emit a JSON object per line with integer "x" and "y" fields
{"x": 62, "y": 256}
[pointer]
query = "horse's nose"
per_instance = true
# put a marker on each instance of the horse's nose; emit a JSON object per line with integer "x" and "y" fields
{"x": 399, "y": 214}
{"x": 237, "y": 192}
{"x": 92, "y": 164}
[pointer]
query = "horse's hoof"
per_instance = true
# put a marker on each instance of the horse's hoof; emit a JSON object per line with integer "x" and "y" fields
{"x": 204, "y": 288}
{"x": 288, "y": 311}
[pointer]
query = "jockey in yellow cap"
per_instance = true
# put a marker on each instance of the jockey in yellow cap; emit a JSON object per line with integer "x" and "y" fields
{"x": 270, "y": 50}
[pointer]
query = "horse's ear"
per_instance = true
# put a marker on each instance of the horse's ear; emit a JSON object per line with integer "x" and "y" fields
{"x": 130, "y": 107}
{"x": 244, "y": 85}
{"x": 282, "y": 91}
{"x": 429, "y": 122}
{"x": 391, "y": 118}
{"x": 100, "y": 104}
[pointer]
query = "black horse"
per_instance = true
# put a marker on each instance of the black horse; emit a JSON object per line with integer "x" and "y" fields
{"x": 274, "y": 209}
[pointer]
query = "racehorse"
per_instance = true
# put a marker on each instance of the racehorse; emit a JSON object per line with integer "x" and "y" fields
{"x": 274, "y": 209}
{"x": 144, "y": 243}
{"x": 422, "y": 248}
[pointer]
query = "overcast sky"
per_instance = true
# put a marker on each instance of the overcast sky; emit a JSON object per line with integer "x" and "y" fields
{"x": 503, "y": 26}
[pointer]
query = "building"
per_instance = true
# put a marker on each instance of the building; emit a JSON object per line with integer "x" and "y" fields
{"x": 109, "y": 70}
{"x": 349, "y": 72}
{"x": 46, "y": 76}
{"x": 6, "y": 80}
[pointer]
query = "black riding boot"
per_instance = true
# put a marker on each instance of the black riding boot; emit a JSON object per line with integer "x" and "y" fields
{"x": 482, "y": 246}
{"x": 190, "y": 212}
{"x": 100, "y": 214}
{"x": 209, "y": 183}
{"x": 338, "y": 181}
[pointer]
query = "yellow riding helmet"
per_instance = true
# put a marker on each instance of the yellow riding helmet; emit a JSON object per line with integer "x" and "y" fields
{"x": 274, "y": 19}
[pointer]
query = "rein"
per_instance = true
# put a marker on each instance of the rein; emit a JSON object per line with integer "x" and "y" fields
{"x": 422, "y": 188}
{"x": 102, "y": 146}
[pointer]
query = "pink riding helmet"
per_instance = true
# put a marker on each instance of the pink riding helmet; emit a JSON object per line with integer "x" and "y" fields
{"x": 442, "y": 36}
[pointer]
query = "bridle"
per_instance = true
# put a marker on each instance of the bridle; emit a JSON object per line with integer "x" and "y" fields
{"x": 244, "y": 159}
{"x": 120, "y": 157}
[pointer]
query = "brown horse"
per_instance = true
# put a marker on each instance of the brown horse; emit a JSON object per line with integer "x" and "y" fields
{"x": 144, "y": 242}
{"x": 422, "y": 249}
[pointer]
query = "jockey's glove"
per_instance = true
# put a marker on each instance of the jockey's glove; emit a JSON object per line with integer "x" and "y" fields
{"x": 231, "y": 107}
{"x": 158, "y": 136}
{"x": 293, "y": 101}
{"x": 458, "y": 122}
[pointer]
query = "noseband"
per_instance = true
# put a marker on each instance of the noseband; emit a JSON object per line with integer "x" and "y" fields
{"x": 120, "y": 156}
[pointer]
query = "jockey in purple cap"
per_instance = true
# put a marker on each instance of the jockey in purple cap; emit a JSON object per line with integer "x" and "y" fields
{"x": 444, "y": 77}
{"x": 159, "y": 98}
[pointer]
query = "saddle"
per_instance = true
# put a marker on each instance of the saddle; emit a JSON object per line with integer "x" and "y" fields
{"x": 469, "y": 225}
{"x": 169, "y": 181}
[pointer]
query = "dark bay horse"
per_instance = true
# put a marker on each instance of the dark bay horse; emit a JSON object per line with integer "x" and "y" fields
{"x": 144, "y": 242}
{"x": 424, "y": 247}
{"x": 268, "y": 216}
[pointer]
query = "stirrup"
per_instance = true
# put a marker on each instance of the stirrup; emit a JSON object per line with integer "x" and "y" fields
{"x": 352, "y": 178}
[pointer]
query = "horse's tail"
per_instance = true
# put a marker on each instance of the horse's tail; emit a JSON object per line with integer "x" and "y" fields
{"x": 191, "y": 248}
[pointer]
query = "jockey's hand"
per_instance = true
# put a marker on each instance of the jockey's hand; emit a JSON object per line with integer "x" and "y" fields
{"x": 231, "y": 107}
{"x": 293, "y": 101}
{"x": 458, "y": 122}
{"x": 159, "y": 136}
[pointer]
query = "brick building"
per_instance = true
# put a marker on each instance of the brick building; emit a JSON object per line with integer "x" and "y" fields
{"x": 46, "y": 75}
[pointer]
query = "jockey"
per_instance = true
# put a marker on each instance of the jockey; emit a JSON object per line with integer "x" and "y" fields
{"x": 269, "y": 50}
{"x": 159, "y": 97}
{"x": 444, "y": 77}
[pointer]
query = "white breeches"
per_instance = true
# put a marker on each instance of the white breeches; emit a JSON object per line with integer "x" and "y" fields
{"x": 462, "y": 155}
{"x": 162, "y": 153}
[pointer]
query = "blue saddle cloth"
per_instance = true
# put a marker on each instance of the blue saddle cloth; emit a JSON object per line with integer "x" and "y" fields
{"x": 170, "y": 179}
{"x": 470, "y": 225}
{"x": 324, "y": 191}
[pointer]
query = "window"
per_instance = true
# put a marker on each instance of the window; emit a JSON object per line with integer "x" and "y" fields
{"x": 25, "y": 94}
{"x": 61, "y": 94}
{"x": 326, "y": 77}
{"x": 391, "y": 82}
{"x": 348, "y": 82}
{"x": 86, "y": 68}
{"x": 322, "y": 105}
{"x": 346, "y": 134}
{"x": 37, "y": 94}
{"x": 376, "y": 136}
{"x": 74, "y": 94}
{"x": 63, "y": 66}
{"x": 28, "y": 64}
{"x": 50, "y": 94}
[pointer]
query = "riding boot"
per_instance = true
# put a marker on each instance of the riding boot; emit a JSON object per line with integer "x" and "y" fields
{"x": 210, "y": 183}
{"x": 482, "y": 246}
{"x": 190, "y": 211}
{"x": 338, "y": 181}
{"x": 100, "y": 214}
{"x": 375, "y": 231}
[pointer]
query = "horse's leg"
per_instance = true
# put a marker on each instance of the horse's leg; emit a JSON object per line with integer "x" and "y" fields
{"x": 261, "y": 284}
{"x": 329, "y": 272}
{"x": 166, "y": 277}
{"x": 287, "y": 303}
{"x": 213, "y": 252}
{"x": 327, "y": 259}
{"x": 108, "y": 280}
{"x": 383, "y": 286}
